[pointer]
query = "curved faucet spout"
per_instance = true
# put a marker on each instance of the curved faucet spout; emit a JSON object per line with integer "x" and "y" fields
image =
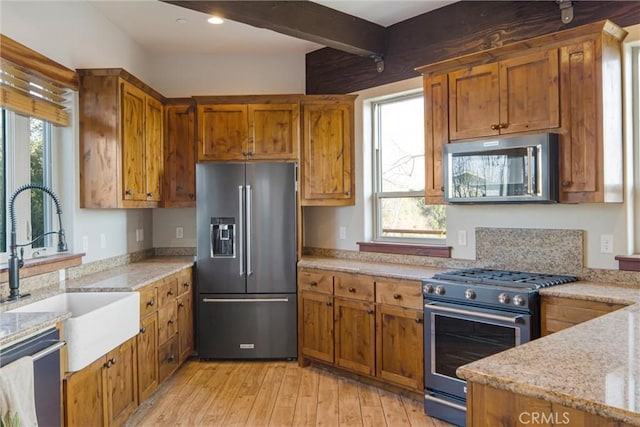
{"x": 14, "y": 262}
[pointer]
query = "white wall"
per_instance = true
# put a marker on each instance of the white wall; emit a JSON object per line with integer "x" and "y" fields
{"x": 321, "y": 223}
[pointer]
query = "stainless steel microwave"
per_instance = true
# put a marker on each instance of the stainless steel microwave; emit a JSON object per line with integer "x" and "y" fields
{"x": 521, "y": 169}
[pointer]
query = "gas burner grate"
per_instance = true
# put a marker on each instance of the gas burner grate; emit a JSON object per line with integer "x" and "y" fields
{"x": 507, "y": 278}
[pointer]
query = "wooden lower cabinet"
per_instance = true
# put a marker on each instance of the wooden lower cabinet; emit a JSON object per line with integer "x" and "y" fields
{"x": 355, "y": 335}
{"x": 399, "y": 346}
{"x": 185, "y": 326}
{"x": 560, "y": 313}
{"x": 168, "y": 358}
{"x": 103, "y": 393}
{"x": 316, "y": 325}
{"x": 488, "y": 407}
{"x": 147, "y": 341}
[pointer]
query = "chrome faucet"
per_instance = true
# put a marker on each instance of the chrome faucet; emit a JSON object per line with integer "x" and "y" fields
{"x": 16, "y": 263}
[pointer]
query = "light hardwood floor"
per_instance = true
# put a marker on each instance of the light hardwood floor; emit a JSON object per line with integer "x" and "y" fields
{"x": 273, "y": 394}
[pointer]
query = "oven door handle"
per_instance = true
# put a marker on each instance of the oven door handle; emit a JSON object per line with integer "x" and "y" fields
{"x": 514, "y": 319}
{"x": 445, "y": 402}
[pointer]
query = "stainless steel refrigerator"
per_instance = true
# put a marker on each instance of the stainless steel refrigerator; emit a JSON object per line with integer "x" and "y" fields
{"x": 246, "y": 260}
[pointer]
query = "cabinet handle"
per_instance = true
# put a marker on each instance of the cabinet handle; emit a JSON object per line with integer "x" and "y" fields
{"x": 418, "y": 320}
{"x": 566, "y": 183}
{"x": 170, "y": 292}
{"x": 352, "y": 290}
{"x": 150, "y": 303}
{"x": 143, "y": 330}
{"x": 171, "y": 358}
{"x": 181, "y": 305}
{"x": 347, "y": 193}
{"x": 314, "y": 283}
{"x": 186, "y": 285}
{"x": 128, "y": 192}
{"x": 251, "y": 153}
{"x": 108, "y": 364}
{"x": 442, "y": 188}
{"x": 113, "y": 361}
{"x": 328, "y": 303}
{"x": 192, "y": 196}
{"x": 397, "y": 296}
{"x": 495, "y": 127}
{"x": 149, "y": 194}
{"x": 170, "y": 322}
{"x": 369, "y": 311}
{"x": 245, "y": 153}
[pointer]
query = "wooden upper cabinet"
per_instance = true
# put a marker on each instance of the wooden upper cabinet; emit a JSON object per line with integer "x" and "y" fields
{"x": 121, "y": 141}
{"x": 179, "y": 156}
{"x": 515, "y": 95}
{"x": 436, "y": 136}
{"x": 259, "y": 128}
{"x": 327, "y": 160}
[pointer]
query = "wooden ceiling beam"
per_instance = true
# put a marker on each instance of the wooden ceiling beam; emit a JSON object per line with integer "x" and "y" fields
{"x": 301, "y": 19}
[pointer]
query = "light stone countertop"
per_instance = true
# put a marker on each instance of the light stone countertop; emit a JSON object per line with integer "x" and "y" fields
{"x": 593, "y": 366}
{"x": 396, "y": 271}
{"x": 130, "y": 277}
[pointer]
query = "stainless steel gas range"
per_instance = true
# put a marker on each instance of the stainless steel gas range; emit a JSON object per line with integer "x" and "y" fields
{"x": 471, "y": 314}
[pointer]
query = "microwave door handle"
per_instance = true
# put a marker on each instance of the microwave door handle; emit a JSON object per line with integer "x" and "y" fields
{"x": 530, "y": 170}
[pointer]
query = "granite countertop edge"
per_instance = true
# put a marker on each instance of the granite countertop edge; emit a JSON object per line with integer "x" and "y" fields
{"x": 39, "y": 322}
{"x": 391, "y": 270}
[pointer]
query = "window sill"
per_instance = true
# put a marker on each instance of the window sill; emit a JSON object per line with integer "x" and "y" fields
{"x": 41, "y": 265}
{"x": 406, "y": 249}
{"x": 628, "y": 262}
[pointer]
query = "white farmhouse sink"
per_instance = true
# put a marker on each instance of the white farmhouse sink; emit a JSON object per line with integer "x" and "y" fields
{"x": 99, "y": 322}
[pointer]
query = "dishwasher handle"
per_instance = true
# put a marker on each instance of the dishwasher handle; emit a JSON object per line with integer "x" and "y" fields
{"x": 47, "y": 351}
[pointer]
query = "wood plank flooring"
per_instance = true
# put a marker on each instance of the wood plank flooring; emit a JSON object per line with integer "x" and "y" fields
{"x": 273, "y": 394}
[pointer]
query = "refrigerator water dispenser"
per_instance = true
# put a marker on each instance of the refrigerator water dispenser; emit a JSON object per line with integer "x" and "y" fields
{"x": 223, "y": 237}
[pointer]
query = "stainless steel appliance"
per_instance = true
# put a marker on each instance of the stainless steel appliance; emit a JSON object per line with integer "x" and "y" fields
{"x": 246, "y": 260}
{"x": 471, "y": 314}
{"x": 44, "y": 348}
{"x": 518, "y": 169}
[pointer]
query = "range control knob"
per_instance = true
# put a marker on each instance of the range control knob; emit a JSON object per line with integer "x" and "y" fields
{"x": 470, "y": 294}
{"x": 518, "y": 300}
{"x": 427, "y": 289}
{"x": 503, "y": 298}
{"x": 440, "y": 290}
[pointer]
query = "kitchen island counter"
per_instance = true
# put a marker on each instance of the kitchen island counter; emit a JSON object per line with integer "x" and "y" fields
{"x": 593, "y": 367}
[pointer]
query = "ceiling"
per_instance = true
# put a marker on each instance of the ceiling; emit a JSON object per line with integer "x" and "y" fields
{"x": 154, "y": 26}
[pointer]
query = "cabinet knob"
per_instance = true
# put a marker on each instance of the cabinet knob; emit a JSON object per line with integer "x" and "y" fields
{"x": 314, "y": 283}
{"x": 251, "y": 153}
{"x": 192, "y": 196}
{"x": 328, "y": 303}
{"x": 150, "y": 303}
{"x": 397, "y": 296}
{"x": 171, "y": 358}
{"x": 495, "y": 127}
{"x": 170, "y": 322}
{"x": 108, "y": 364}
{"x": 170, "y": 292}
{"x": 128, "y": 192}
{"x": 347, "y": 193}
{"x": 181, "y": 305}
{"x": 566, "y": 183}
{"x": 352, "y": 290}
{"x": 186, "y": 285}
{"x": 149, "y": 194}
{"x": 369, "y": 311}
{"x": 442, "y": 188}
{"x": 113, "y": 361}
{"x": 143, "y": 330}
{"x": 245, "y": 153}
{"x": 418, "y": 320}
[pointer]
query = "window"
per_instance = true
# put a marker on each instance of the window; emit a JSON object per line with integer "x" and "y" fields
{"x": 400, "y": 211}
{"x": 26, "y": 158}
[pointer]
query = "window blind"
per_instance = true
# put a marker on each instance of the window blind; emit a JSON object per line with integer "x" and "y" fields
{"x": 33, "y": 84}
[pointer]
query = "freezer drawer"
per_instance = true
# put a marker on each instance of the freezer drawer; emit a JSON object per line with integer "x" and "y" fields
{"x": 251, "y": 326}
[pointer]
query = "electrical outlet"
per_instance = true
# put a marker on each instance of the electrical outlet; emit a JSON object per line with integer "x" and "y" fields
{"x": 103, "y": 241}
{"x": 179, "y": 232}
{"x": 606, "y": 243}
{"x": 62, "y": 275}
{"x": 342, "y": 232}
{"x": 85, "y": 244}
{"x": 462, "y": 237}
{"x": 142, "y": 234}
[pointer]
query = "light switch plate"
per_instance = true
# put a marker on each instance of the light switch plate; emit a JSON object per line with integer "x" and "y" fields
{"x": 606, "y": 243}
{"x": 462, "y": 237}
{"x": 179, "y": 232}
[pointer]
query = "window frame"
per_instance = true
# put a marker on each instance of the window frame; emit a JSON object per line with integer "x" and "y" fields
{"x": 377, "y": 194}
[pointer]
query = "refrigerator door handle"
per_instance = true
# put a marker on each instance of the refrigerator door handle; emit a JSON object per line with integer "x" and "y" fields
{"x": 245, "y": 300}
{"x": 240, "y": 230}
{"x": 249, "y": 218}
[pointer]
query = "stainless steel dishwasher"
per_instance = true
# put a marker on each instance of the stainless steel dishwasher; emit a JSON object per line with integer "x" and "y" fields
{"x": 44, "y": 348}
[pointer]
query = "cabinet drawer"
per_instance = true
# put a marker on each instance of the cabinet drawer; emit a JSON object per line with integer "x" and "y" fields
{"x": 403, "y": 293}
{"x": 167, "y": 291}
{"x": 167, "y": 358}
{"x": 185, "y": 281}
{"x": 167, "y": 322}
{"x": 315, "y": 281}
{"x": 354, "y": 286}
{"x": 148, "y": 300}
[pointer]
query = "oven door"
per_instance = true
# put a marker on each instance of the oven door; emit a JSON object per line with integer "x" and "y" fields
{"x": 457, "y": 334}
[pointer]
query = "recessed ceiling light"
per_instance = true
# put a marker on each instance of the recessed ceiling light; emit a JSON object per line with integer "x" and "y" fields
{"x": 216, "y": 20}
{"x": 181, "y": 21}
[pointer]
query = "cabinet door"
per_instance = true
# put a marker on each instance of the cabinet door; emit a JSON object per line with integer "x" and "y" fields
{"x": 167, "y": 321}
{"x": 355, "y": 335}
{"x": 154, "y": 161}
{"x": 222, "y": 132}
{"x": 274, "y": 131}
{"x": 180, "y": 156}
{"x": 133, "y": 142}
{"x": 316, "y": 325}
{"x": 529, "y": 93}
{"x": 474, "y": 102}
{"x": 185, "y": 326}
{"x": 436, "y": 135}
{"x": 147, "y": 357}
{"x": 84, "y": 399}
{"x": 399, "y": 346}
{"x": 122, "y": 381}
{"x": 327, "y": 155}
